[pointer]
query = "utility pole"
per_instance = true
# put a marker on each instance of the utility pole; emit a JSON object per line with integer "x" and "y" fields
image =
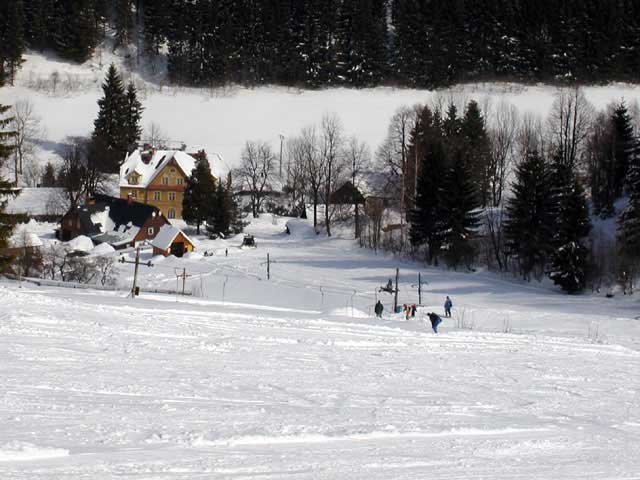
{"x": 136, "y": 262}
{"x": 395, "y": 297}
{"x": 268, "y": 264}
{"x": 419, "y": 286}
{"x": 183, "y": 276}
{"x": 281, "y": 141}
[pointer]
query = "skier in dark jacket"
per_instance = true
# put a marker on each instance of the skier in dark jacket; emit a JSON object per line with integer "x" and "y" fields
{"x": 447, "y": 307}
{"x": 379, "y": 308}
{"x": 435, "y": 321}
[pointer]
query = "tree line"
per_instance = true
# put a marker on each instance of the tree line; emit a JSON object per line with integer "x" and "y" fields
{"x": 519, "y": 193}
{"x": 357, "y": 43}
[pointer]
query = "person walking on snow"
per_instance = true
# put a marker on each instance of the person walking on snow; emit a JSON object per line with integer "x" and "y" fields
{"x": 447, "y": 307}
{"x": 435, "y": 321}
{"x": 379, "y": 308}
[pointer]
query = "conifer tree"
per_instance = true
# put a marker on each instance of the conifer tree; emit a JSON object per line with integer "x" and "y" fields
{"x": 6, "y": 148}
{"x": 629, "y": 219}
{"x": 48, "y": 176}
{"x": 123, "y": 21}
{"x": 475, "y": 143}
{"x": 12, "y": 41}
{"x": 75, "y": 29}
{"x": 569, "y": 260}
{"x": 460, "y": 217}
{"x": 110, "y": 139}
{"x": 528, "y": 228}
{"x": 200, "y": 194}
{"x": 133, "y": 117}
{"x": 624, "y": 144}
{"x": 426, "y": 216}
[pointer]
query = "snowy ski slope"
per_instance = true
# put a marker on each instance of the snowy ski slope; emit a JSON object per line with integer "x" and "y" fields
{"x": 280, "y": 380}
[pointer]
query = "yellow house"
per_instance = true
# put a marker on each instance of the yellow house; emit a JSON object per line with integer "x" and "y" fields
{"x": 158, "y": 178}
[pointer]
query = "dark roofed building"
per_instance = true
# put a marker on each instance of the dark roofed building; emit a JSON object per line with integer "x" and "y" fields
{"x": 119, "y": 222}
{"x": 347, "y": 194}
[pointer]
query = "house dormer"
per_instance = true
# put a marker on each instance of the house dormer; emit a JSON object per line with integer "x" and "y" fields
{"x": 133, "y": 178}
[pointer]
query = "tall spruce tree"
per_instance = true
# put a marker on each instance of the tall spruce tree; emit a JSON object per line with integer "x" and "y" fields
{"x": 629, "y": 219}
{"x": 110, "y": 139}
{"x": 6, "y": 148}
{"x": 123, "y": 21}
{"x": 200, "y": 194}
{"x": 12, "y": 39}
{"x": 133, "y": 117}
{"x": 460, "y": 216}
{"x": 426, "y": 217}
{"x": 569, "y": 259}
{"x": 475, "y": 143}
{"x": 624, "y": 145}
{"x": 528, "y": 228}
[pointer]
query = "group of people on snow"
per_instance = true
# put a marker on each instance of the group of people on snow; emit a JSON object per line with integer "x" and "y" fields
{"x": 409, "y": 311}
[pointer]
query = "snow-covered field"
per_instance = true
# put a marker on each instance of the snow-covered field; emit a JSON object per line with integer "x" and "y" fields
{"x": 292, "y": 378}
{"x": 222, "y": 120}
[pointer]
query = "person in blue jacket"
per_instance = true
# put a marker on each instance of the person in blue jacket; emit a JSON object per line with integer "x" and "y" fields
{"x": 447, "y": 307}
{"x": 435, "y": 321}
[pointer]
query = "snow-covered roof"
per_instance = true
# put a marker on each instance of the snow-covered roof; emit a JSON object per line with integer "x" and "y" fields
{"x": 157, "y": 160}
{"x": 166, "y": 236}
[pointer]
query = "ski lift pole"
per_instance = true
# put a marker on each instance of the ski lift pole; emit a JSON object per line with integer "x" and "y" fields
{"x": 395, "y": 297}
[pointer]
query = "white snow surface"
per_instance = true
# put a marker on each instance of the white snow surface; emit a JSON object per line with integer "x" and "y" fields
{"x": 81, "y": 243}
{"x": 272, "y": 379}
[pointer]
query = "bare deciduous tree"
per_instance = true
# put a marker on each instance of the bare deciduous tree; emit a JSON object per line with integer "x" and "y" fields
{"x": 569, "y": 124}
{"x": 502, "y": 137}
{"x": 256, "y": 170}
{"x": 155, "y": 136}
{"x": 358, "y": 160}
{"x": 332, "y": 160}
{"x": 296, "y": 175}
{"x": 313, "y": 164}
{"x": 27, "y": 125}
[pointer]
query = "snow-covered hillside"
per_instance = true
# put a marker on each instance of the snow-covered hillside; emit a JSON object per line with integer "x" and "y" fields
{"x": 292, "y": 377}
{"x": 222, "y": 120}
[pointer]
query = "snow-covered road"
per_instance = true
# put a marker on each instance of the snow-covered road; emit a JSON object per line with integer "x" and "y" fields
{"x": 96, "y": 386}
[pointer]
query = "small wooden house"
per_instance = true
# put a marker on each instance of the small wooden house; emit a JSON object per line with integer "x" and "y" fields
{"x": 171, "y": 241}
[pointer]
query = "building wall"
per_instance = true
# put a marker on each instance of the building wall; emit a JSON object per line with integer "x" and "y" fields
{"x": 164, "y": 194}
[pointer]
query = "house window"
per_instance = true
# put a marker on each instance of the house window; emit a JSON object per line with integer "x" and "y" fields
{"x": 171, "y": 213}
{"x": 173, "y": 170}
{"x": 179, "y": 181}
{"x": 156, "y": 195}
{"x": 172, "y": 196}
{"x": 165, "y": 180}
{"x": 133, "y": 179}
{"x": 150, "y": 231}
{"x": 134, "y": 194}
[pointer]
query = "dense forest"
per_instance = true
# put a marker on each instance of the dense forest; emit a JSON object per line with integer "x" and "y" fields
{"x": 313, "y": 43}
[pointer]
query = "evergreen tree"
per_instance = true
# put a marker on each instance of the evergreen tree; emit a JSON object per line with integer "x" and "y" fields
{"x": 12, "y": 41}
{"x": 123, "y": 21}
{"x": 75, "y": 31}
{"x": 475, "y": 143}
{"x": 155, "y": 18}
{"x": 629, "y": 220}
{"x": 200, "y": 194}
{"x": 6, "y": 148}
{"x": 426, "y": 217}
{"x": 133, "y": 117}
{"x": 572, "y": 224}
{"x": 48, "y": 176}
{"x": 236, "y": 224}
{"x": 110, "y": 140}
{"x": 624, "y": 146}
{"x": 460, "y": 217}
{"x": 528, "y": 228}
